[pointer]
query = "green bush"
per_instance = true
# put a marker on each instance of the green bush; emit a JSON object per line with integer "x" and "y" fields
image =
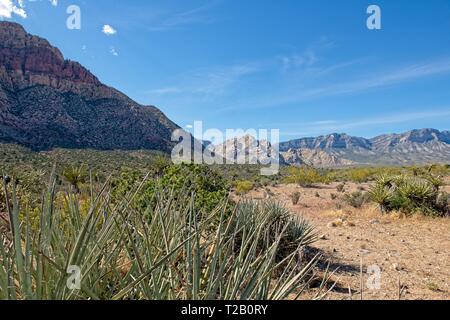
{"x": 305, "y": 176}
{"x": 244, "y": 187}
{"x": 209, "y": 187}
{"x": 409, "y": 194}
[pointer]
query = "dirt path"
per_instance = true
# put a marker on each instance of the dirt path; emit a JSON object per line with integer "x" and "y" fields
{"x": 413, "y": 252}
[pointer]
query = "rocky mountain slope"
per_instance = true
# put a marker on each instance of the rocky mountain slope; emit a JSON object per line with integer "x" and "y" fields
{"x": 244, "y": 150}
{"x": 414, "y": 147}
{"x": 47, "y": 102}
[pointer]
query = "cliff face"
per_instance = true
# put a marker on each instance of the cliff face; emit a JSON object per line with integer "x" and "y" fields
{"x": 47, "y": 101}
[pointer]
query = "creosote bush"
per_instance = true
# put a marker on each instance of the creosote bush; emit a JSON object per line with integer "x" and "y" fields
{"x": 244, "y": 187}
{"x": 305, "y": 176}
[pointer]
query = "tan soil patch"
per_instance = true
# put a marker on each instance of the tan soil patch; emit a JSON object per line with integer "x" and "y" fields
{"x": 414, "y": 251}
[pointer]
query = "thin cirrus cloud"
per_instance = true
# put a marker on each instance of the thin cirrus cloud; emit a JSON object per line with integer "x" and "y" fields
{"x": 321, "y": 127}
{"x": 208, "y": 83}
{"x": 198, "y": 15}
{"x": 371, "y": 81}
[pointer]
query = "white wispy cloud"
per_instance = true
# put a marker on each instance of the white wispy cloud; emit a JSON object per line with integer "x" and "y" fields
{"x": 373, "y": 80}
{"x": 8, "y": 8}
{"x": 113, "y": 51}
{"x": 207, "y": 83}
{"x": 108, "y": 30}
{"x": 198, "y": 15}
{"x": 308, "y": 58}
{"x": 328, "y": 126}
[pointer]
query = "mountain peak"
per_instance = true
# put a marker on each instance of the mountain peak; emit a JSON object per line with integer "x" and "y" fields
{"x": 48, "y": 102}
{"x": 27, "y": 60}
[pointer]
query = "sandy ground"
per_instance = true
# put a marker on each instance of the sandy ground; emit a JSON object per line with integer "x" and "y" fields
{"x": 412, "y": 253}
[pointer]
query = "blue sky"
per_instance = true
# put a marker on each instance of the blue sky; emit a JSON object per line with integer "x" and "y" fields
{"x": 302, "y": 66}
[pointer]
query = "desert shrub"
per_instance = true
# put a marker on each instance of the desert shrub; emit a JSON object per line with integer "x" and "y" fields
{"x": 253, "y": 254}
{"x": 340, "y": 188}
{"x": 333, "y": 196}
{"x": 209, "y": 186}
{"x": 305, "y": 176}
{"x": 408, "y": 194}
{"x": 360, "y": 175}
{"x": 356, "y": 199}
{"x": 443, "y": 203}
{"x": 75, "y": 176}
{"x": 280, "y": 226}
{"x": 295, "y": 198}
{"x": 159, "y": 164}
{"x": 244, "y": 187}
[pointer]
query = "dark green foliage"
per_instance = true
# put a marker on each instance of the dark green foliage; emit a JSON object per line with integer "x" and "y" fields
{"x": 410, "y": 194}
{"x": 209, "y": 186}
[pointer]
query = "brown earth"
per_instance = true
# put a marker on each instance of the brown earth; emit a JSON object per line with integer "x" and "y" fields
{"x": 413, "y": 253}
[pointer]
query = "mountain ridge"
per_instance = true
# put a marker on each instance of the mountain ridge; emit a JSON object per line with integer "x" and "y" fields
{"x": 418, "y": 146}
{"x": 48, "y": 102}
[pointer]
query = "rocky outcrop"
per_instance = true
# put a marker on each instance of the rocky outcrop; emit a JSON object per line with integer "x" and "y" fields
{"x": 314, "y": 157}
{"x": 47, "y": 102}
{"x": 244, "y": 150}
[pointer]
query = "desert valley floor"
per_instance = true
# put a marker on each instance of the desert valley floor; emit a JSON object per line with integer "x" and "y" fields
{"x": 412, "y": 252}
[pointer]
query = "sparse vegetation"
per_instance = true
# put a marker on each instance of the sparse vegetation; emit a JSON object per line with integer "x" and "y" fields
{"x": 295, "y": 198}
{"x": 340, "y": 188}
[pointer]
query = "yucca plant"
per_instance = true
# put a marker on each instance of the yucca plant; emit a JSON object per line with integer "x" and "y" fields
{"x": 75, "y": 176}
{"x": 381, "y": 195}
{"x": 170, "y": 251}
{"x": 409, "y": 194}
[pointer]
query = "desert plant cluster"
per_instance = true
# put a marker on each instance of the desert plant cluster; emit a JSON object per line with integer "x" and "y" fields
{"x": 411, "y": 194}
{"x": 174, "y": 237}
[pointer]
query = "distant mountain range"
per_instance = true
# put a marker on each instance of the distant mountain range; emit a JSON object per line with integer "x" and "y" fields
{"x": 414, "y": 147}
{"x": 424, "y": 146}
{"x": 48, "y": 102}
